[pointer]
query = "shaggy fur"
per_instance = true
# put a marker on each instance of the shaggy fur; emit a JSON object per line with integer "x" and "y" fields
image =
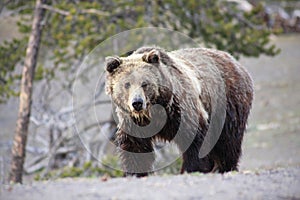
{"x": 184, "y": 83}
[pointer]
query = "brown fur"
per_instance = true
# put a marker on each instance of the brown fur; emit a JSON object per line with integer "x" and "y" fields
{"x": 183, "y": 82}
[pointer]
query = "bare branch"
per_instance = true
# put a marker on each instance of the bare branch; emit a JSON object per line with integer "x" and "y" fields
{"x": 102, "y": 102}
{"x": 242, "y": 19}
{"x": 15, "y": 11}
{"x": 52, "y": 153}
{"x": 66, "y": 13}
{"x": 35, "y": 150}
{"x": 94, "y": 11}
{"x": 36, "y": 164}
{"x": 53, "y": 9}
{"x": 42, "y": 161}
{"x": 65, "y": 150}
{"x": 90, "y": 126}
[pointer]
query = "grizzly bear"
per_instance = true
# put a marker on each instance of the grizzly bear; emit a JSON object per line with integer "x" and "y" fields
{"x": 194, "y": 97}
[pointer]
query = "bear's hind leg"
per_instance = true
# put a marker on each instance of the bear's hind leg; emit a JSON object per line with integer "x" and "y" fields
{"x": 191, "y": 160}
{"x": 190, "y": 164}
{"x": 227, "y": 151}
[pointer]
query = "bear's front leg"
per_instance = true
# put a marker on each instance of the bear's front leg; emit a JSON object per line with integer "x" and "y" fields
{"x": 137, "y": 154}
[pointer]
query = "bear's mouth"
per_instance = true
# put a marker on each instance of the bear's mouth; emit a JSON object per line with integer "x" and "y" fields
{"x": 141, "y": 118}
{"x": 140, "y": 114}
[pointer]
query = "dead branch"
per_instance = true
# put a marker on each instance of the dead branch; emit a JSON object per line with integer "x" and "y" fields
{"x": 243, "y": 20}
{"x": 36, "y": 164}
{"x": 53, "y": 9}
{"x": 51, "y": 154}
{"x": 42, "y": 161}
{"x": 66, "y": 13}
{"x": 35, "y": 150}
{"x": 94, "y": 11}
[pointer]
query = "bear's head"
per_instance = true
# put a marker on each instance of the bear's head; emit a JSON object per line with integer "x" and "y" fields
{"x": 137, "y": 82}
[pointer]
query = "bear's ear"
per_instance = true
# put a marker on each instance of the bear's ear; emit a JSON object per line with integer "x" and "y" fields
{"x": 112, "y": 63}
{"x": 151, "y": 57}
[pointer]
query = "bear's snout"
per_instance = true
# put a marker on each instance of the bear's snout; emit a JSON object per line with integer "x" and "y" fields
{"x": 137, "y": 103}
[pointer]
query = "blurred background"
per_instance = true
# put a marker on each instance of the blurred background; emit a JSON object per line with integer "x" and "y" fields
{"x": 263, "y": 35}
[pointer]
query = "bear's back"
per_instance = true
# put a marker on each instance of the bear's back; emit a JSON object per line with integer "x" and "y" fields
{"x": 204, "y": 60}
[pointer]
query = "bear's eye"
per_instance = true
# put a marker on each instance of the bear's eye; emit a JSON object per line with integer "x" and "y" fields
{"x": 144, "y": 84}
{"x": 127, "y": 85}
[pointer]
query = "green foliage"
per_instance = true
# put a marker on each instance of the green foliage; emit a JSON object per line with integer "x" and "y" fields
{"x": 110, "y": 167}
{"x": 222, "y": 26}
{"x": 87, "y": 170}
{"x": 71, "y": 172}
{"x": 73, "y": 28}
{"x": 10, "y": 55}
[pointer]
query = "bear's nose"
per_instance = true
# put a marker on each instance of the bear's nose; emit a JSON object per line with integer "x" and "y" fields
{"x": 137, "y": 104}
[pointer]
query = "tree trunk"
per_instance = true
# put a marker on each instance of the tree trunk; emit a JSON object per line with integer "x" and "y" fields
{"x": 20, "y": 138}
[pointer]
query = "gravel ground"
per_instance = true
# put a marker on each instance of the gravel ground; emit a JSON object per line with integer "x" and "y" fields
{"x": 267, "y": 184}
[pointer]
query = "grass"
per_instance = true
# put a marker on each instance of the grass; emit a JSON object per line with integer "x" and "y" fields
{"x": 90, "y": 170}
